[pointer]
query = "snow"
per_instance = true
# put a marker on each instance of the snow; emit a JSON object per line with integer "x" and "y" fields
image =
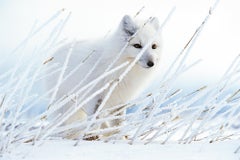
{"x": 87, "y": 150}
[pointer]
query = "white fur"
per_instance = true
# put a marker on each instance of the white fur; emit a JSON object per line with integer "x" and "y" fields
{"x": 107, "y": 49}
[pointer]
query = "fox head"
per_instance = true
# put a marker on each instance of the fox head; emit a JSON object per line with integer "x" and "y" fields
{"x": 139, "y": 33}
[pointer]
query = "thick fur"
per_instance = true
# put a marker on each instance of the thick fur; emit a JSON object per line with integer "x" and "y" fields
{"x": 103, "y": 52}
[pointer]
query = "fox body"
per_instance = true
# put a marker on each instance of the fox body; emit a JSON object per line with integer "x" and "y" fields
{"x": 96, "y": 56}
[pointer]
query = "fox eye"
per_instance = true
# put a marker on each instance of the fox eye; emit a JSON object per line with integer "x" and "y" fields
{"x": 137, "y": 45}
{"x": 154, "y": 46}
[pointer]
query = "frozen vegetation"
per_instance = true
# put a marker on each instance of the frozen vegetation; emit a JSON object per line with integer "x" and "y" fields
{"x": 165, "y": 122}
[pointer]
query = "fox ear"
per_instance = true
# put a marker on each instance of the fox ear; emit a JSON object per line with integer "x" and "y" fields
{"x": 128, "y": 26}
{"x": 154, "y": 21}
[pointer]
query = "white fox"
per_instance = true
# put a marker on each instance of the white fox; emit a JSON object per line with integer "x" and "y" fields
{"x": 101, "y": 53}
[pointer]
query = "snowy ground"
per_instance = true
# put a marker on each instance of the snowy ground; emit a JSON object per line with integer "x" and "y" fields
{"x": 64, "y": 150}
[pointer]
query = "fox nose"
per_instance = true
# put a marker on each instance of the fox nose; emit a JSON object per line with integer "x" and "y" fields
{"x": 150, "y": 64}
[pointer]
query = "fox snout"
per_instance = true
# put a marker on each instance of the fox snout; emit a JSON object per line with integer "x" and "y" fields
{"x": 146, "y": 63}
{"x": 147, "y": 60}
{"x": 150, "y": 64}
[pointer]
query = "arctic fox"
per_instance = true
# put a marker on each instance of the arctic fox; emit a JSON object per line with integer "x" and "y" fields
{"x": 96, "y": 56}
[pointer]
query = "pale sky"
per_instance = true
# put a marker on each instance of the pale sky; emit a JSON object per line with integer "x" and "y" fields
{"x": 217, "y": 45}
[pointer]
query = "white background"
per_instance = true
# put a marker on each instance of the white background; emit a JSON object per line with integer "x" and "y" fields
{"x": 217, "y": 45}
